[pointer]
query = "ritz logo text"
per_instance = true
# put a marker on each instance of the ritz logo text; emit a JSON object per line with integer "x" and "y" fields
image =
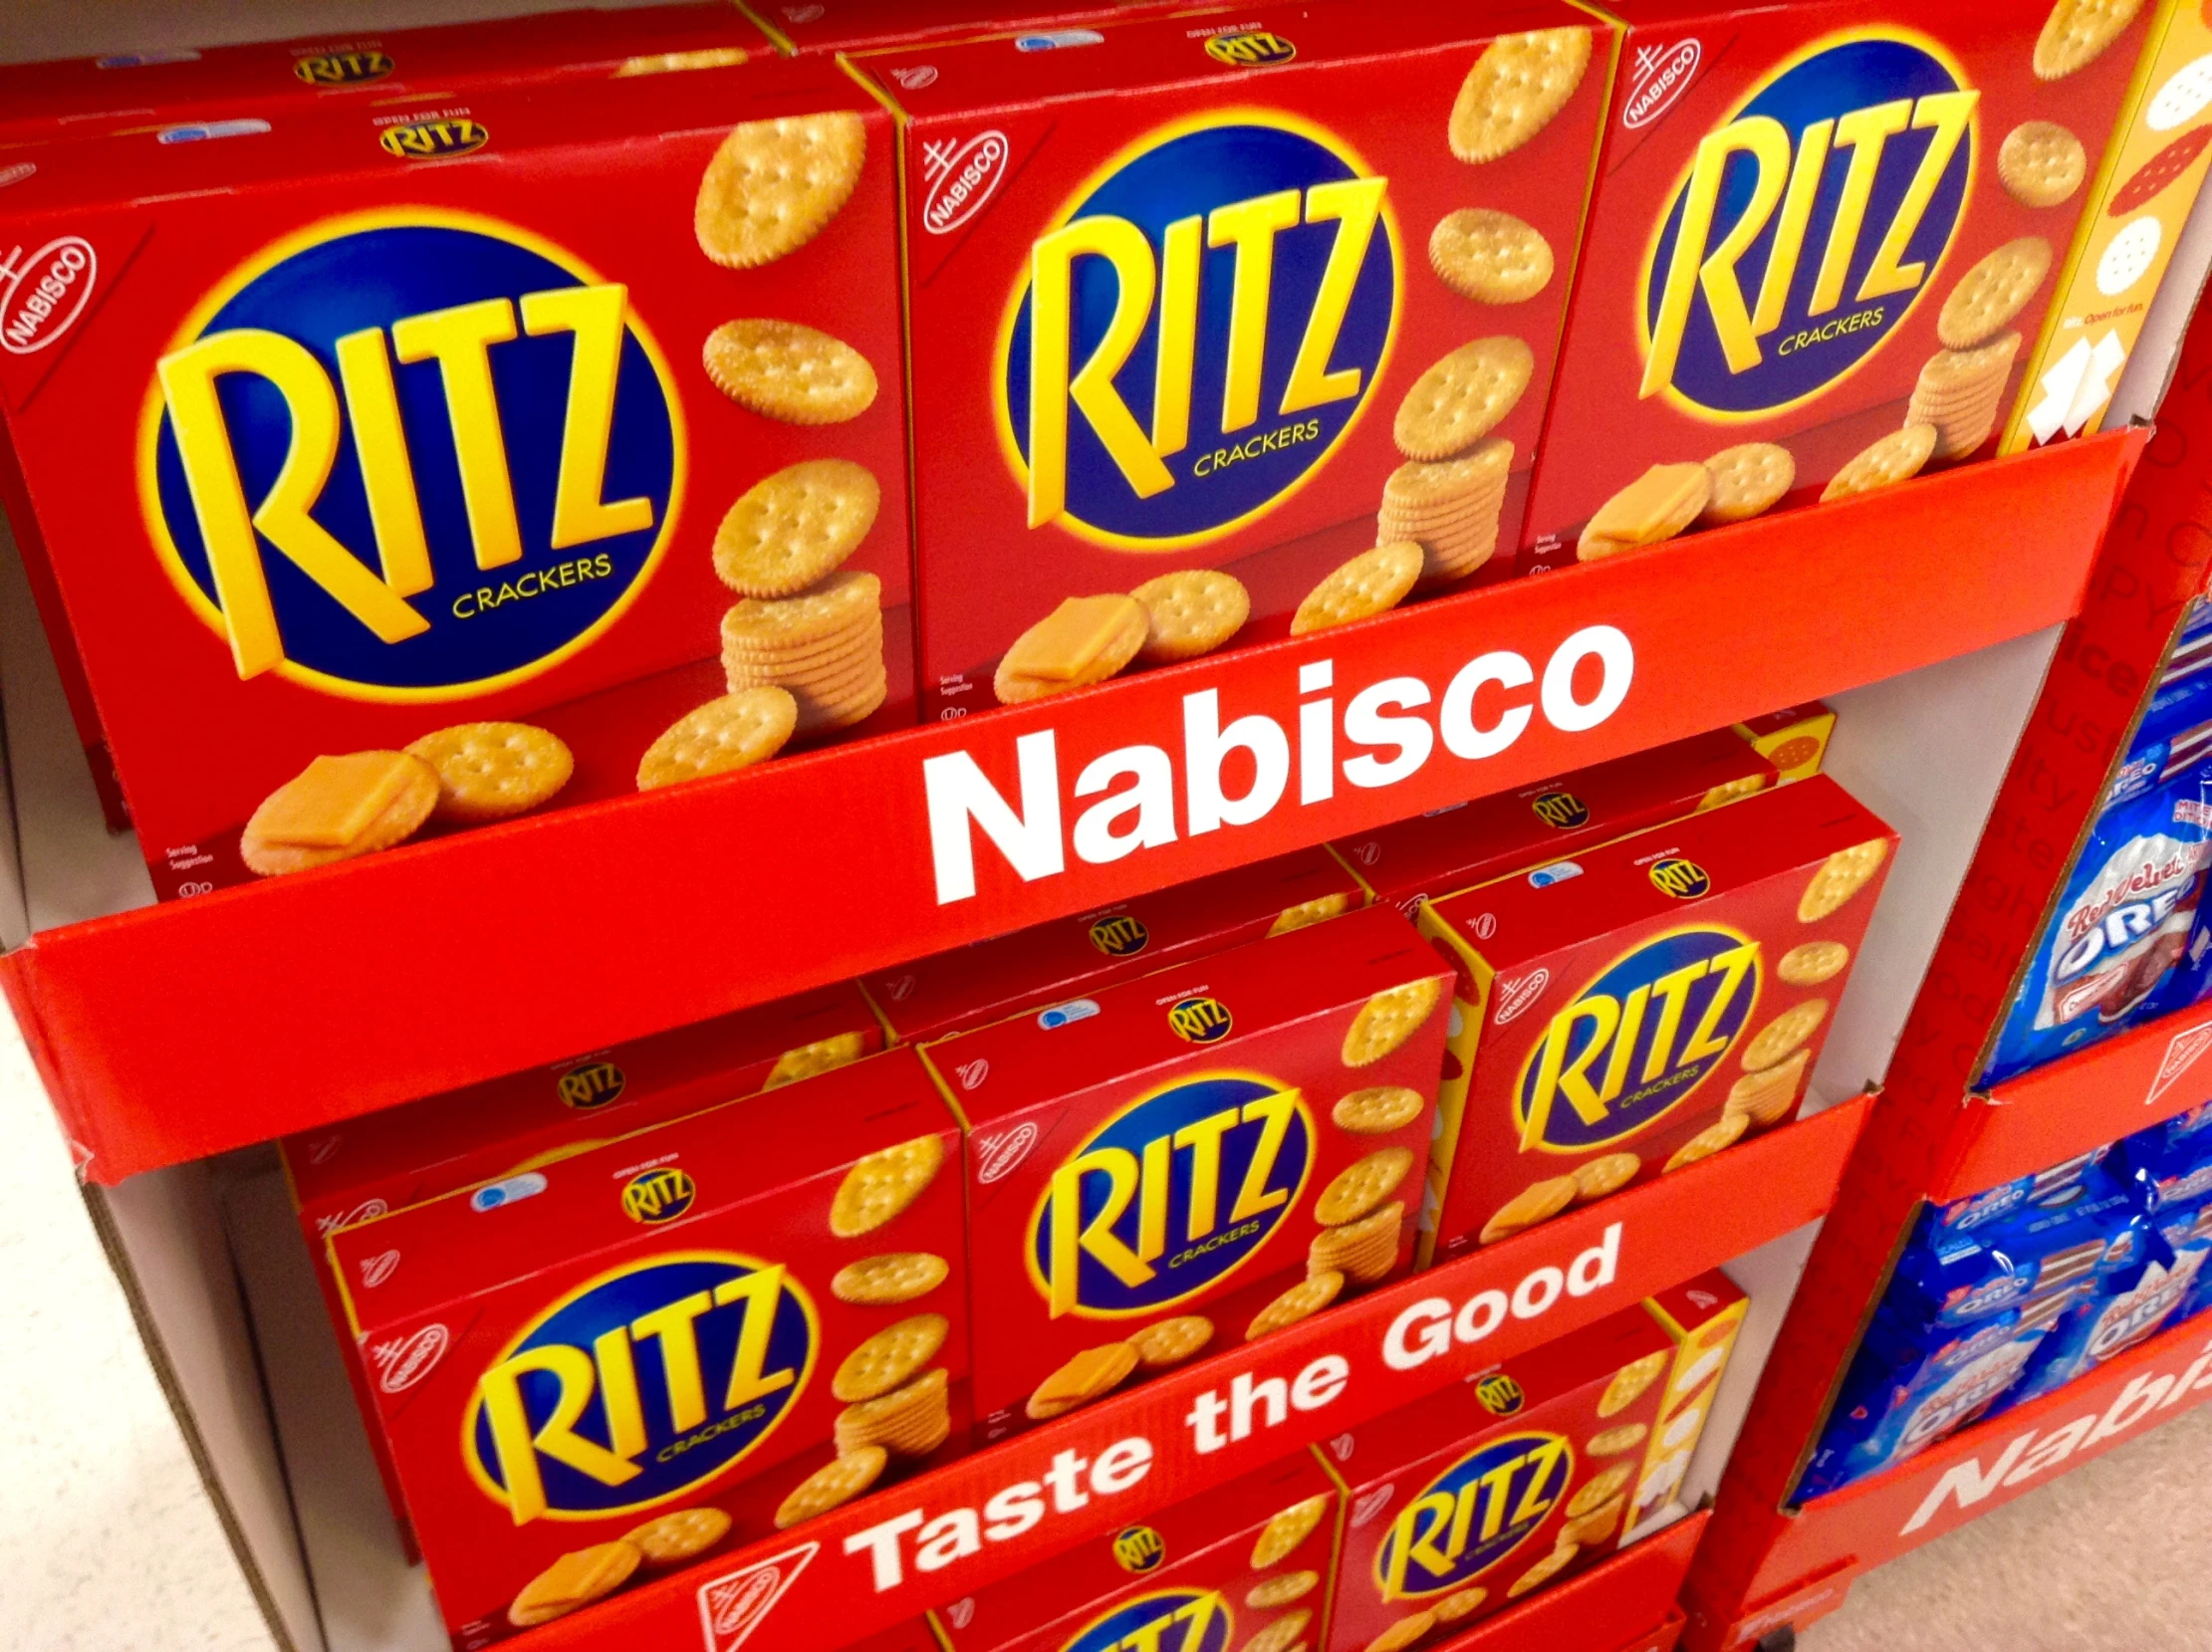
{"x": 643, "y": 1386}
{"x": 1171, "y": 1195}
{"x": 1144, "y": 413}
{"x": 1808, "y": 225}
{"x": 410, "y": 455}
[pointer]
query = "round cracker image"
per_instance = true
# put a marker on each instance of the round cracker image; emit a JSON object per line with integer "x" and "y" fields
{"x": 1516, "y": 88}
{"x": 2078, "y": 33}
{"x": 1627, "y": 1384}
{"x": 1372, "y": 582}
{"x": 1992, "y": 292}
{"x": 1377, "y": 1111}
{"x": 1461, "y": 397}
{"x": 1190, "y": 614}
{"x": 773, "y": 185}
{"x": 1784, "y": 1034}
{"x": 1171, "y": 1341}
{"x": 1490, "y": 256}
{"x": 1538, "y": 1202}
{"x": 1724, "y": 1132}
{"x": 1387, "y": 1019}
{"x": 734, "y": 732}
{"x": 835, "y": 1483}
{"x": 1280, "y": 1539}
{"x": 493, "y": 771}
{"x": 883, "y": 1184}
{"x": 789, "y": 371}
{"x": 889, "y": 1358}
{"x": 1361, "y": 1186}
{"x": 1842, "y": 875}
{"x": 1813, "y": 962}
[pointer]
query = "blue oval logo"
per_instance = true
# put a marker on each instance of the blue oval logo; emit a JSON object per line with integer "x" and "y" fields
{"x": 1171, "y": 1620}
{"x": 1140, "y": 1548}
{"x": 1123, "y": 935}
{"x": 1198, "y": 330}
{"x": 325, "y": 69}
{"x": 654, "y": 1197}
{"x": 1170, "y": 1196}
{"x": 435, "y": 139}
{"x": 641, "y": 1388}
{"x": 1500, "y": 1394}
{"x": 1809, "y": 226}
{"x": 592, "y": 1085}
{"x": 1562, "y": 811}
{"x": 412, "y": 455}
{"x": 1200, "y": 1019}
{"x": 1473, "y": 1515}
{"x": 1679, "y": 878}
{"x": 1638, "y": 1040}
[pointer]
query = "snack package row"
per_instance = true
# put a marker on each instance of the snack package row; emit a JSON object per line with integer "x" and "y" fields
{"x": 1101, "y": 1148}
{"x": 1408, "y": 1529}
{"x": 2005, "y": 1297}
{"x": 411, "y": 432}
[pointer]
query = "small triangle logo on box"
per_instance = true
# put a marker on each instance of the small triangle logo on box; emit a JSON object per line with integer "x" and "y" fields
{"x": 732, "y": 1607}
{"x": 2182, "y": 1053}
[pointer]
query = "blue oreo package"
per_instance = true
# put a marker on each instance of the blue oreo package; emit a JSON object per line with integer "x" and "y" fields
{"x": 2141, "y": 1286}
{"x": 2124, "y": 943}
{"x": 1907, "y": 1389}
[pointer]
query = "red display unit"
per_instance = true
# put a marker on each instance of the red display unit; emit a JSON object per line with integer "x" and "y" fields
{"x": 1769, "y": 1562}
{"x": 1498, "y": 688}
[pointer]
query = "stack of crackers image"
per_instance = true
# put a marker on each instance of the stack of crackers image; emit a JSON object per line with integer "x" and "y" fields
{"x": 803, "y": 650}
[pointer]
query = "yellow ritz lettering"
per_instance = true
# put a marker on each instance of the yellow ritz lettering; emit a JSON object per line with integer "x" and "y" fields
{"x": 1144, "y": 1180}
{"x": 1354, "y": 205}
{"x": 1791, "y": 188}
{"x": 1616, "y": 1026}
{"x": 460, "y": 341}
{"x": 1196, "y": 1616}
{"x": 1433, "y": 1531}
{"x": 608, "y": 1371}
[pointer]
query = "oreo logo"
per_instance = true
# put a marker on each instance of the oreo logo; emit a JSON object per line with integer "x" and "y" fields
{"x": 1170, "y": 1196}
{"x": 1472, "y": 1516}
{"x": 410, "y": 455}
{"x": 1196, "y": 331}
{"x": 1635, "y": 1041}
{"x": 1809, "y": 226}
{"x": 641, "y": 1388}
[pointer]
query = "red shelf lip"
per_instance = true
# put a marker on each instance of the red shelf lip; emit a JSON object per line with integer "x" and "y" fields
{"x": 173, "y": 1032}
{"x": 1837, "y": 1536}
{"x": 1626, "y": 1602}
{"x": 775, "y": 1595}
{"x": 2127, "y": 1083}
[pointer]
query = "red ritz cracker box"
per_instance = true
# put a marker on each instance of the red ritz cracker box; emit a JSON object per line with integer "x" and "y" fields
{"x": 2140, "y": 200}
{"x": 507, "y": 1128}
{"x": 1432, "y": 855}
{"x": 1180, "y": 283}
{"x": 1820, "y": 224}
{"x": 867, "y": 25}
{"x": 972, "y": 986}
{"x": 1644, "y": 1005}
{"x": 1793, "y": 739}
{"x": 1459, "y": 1510}
{"x": 220, "y": 84}
{"x": 1210, "y": 1573}
{"x": 683, "y": 1340}
{"x": 1202, "y": 1156}
{"x": 452, "y": 447}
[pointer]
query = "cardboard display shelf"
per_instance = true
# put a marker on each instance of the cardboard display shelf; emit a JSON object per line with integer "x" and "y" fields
{"x": 1600, "y": 1606}
{"x": 883, "y": 1560}
{"x": 526, "y": 942}
{"x": 1831, "y": 1541}
{"x": 2110, "y": 1090}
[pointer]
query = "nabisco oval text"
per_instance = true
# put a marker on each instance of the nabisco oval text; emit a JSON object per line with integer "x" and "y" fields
{"x": 1660, "y": 85}
{"x": 961, "y": 182}
{"x": 997, "y": 1156}
{"x": 408, "y": 1363}
{"x": 46, "y": 293}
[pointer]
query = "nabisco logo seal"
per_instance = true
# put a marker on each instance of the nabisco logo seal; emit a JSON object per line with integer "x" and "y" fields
{"x": 1662, "y": 73}
{"x": 403, "y": 1364}
{"x": 1374, "y": 1503}
{"x": 961, "y": 177}
{"x": 732, "y": 1607}
{"x": 45, "y": 293}
{"x": 1515, "y": 996}
{"x": 996, "y": 1156}
{"x": 378, "y": 1268}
